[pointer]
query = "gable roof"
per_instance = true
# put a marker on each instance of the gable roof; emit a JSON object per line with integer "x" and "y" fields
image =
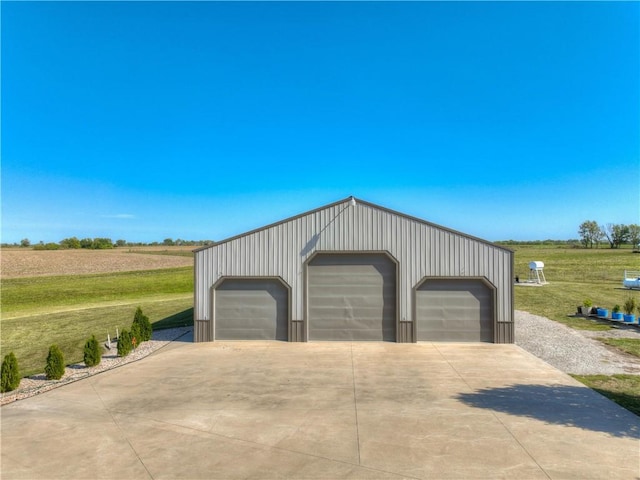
{"x": 357, "y": 200}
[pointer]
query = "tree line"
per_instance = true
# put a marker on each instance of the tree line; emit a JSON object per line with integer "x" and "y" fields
{"x": 101, "y": 243}
{"x": 616, "y": 234}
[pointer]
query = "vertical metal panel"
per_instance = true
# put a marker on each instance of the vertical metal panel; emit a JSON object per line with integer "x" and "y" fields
{"x": 421, "y": 249}
{"x": 406, "y": 332}
{"x": 201, "y": 331}
{"x": 505, "y": 332}
{"x": 297, "y": 331}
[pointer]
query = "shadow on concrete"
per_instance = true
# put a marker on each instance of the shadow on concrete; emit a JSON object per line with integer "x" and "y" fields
{"x": 187, "y": 337}
{"x": 561, "y": 404}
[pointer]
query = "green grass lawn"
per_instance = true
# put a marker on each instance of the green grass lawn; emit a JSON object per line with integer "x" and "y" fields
{"x": 566, "y": 264}
{"x": 574, "y": 275}
{"x": 30, "y": 337}
{"x": 622, "y": 389}
{"x": 627, "y": 345}
{"x": 66, "y": 310}
{"x": 31, "y": 295}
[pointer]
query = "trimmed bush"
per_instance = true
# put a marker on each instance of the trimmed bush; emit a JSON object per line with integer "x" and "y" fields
{"x": 55, "y": 364}
{"x": 136, "y": 335}
{"x": 10, "y": 373}
{"x": 145, "y": 329}
{"x": 92, "y": 352}
{"x": 124, "y": 343}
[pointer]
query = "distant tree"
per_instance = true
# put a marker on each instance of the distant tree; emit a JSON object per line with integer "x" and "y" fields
{"x": 47, "y": 246}
{"x": 121, "y": 243}
{"x": 590, "y": 233}
{"x": 634, "y": 235}
{"x": 71, "y": 242}
{"x": 102, "y": 243}
{"x": 616, "y": 234}
{"x": 25, "y": 242}
{"x": 620, "y": 234}
{"x": 86, "y": 243}
{"x": 168, "y": 242}
{"x": 605, "y": 233}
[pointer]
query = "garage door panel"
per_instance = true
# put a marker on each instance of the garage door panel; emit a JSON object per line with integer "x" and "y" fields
{"x": 349, "y": 312}
{"x": 250, "y": 309}
{"x": 454, "y": 311}
{"x": 338, "y": 280}
{"x": 351, "y": 297}
{"x": 357, "y": 290}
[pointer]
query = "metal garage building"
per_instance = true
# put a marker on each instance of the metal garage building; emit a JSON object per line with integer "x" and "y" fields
{"x": 353, "y": 271}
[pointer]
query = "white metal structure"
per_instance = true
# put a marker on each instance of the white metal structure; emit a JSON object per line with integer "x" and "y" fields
{"x": 631, "y": 279}
{"x": 536, "y": 273}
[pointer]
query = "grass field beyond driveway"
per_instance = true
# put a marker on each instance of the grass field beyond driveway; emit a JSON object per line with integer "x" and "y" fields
{"x": 67, "y": 309}
{"x": 574, "y": 274}
{"x": 30, "y": 337}
{"x": 34, "y": 295}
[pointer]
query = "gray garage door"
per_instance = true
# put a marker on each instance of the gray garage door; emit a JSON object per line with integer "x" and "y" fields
{"x": 352, "y": 297}
{"x": 248, "y": 309}
{"x": 454, "y": 311}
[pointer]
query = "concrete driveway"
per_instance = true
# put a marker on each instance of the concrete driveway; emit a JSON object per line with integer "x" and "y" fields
{"x": 323, "y": 410}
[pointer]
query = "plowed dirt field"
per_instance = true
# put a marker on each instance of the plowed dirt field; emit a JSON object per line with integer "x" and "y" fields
{"x": 20, "y": 262}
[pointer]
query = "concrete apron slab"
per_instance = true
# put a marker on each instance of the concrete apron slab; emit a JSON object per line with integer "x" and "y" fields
{"x": 323, "y": 410}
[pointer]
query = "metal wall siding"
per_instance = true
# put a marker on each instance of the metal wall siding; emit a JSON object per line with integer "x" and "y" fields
{"x": 421, "y": 249}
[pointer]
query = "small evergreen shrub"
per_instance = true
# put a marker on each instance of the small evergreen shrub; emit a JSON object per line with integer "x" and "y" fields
{"x": 136, "y": 335}
{"x": 10, "y": 373}
{"x": 143, "y": 322}
{"x": 124, "y": 343}
{"x": 55, "y": 364}
{"x": 92, "y": 352}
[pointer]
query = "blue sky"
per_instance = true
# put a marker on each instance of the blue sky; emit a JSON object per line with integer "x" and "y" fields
{"x": 144, "y": 120}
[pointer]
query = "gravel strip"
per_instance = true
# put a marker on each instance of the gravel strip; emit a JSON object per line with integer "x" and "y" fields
{"x": 574, "y": 351}
{"x": 30, "y": 386}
